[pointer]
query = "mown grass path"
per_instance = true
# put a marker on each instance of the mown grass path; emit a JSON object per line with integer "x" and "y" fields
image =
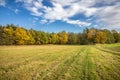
{"x": 58, "y": 63}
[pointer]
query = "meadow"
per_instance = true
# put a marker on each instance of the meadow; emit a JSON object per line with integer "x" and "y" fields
{"x": 60, "y": 62}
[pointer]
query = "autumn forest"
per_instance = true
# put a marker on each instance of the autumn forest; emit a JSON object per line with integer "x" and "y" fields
{"x": 15, "y": 35}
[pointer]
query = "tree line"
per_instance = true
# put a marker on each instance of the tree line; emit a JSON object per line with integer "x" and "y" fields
{"x": 14, "y": 35}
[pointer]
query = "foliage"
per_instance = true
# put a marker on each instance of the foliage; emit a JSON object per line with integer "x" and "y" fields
{"x": 100, "y": 37}
{"x": 72, "y": 38}
{"x": 15, "y": 35}
{"x": 116, "y": 36}
{"x": 63, "y": 37}
{"x": 91, "y": 35}
{"x": 109, "y": 35}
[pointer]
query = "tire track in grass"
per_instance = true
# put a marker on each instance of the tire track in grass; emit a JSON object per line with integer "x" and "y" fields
{"x": 30, "y": 66}
{"x": 69, "y": 69}
{"x": 106, "y": 66}
{"x": 107, "y": 50}
{"x": 88, "y": 66}
{"x": 74, "y": 72}
{"x": 59, "y": 71}
{"x": 83, "y": 67}
{"x": 50, "y": 65}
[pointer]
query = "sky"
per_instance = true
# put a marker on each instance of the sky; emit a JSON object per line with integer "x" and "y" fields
{"x": 59, "y": 15}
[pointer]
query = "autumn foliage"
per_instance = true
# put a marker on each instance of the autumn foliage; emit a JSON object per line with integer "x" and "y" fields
{"x": 15, "y": 35}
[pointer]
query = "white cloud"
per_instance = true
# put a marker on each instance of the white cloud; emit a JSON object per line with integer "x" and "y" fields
{"x": 64, "y": 2}
{"x": 32, "y": 6}
{"x": 106, "y": 1}
{"x": 43, "y": 21}
{"x": 34, "y": 11}
{"x": 38, "y": 4}
{"x": 57, "y": 12}
{"x": 110, "y": 15}
{"x": 2, "y": 3}
{"x": 104, "y": 11}
{"x": 78, "y": 22}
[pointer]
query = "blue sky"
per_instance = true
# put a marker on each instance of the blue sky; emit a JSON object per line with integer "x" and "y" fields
{"x": 58, "y": 15}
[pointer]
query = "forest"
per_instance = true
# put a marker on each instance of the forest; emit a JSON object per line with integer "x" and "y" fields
{"x": 14, "y": 35}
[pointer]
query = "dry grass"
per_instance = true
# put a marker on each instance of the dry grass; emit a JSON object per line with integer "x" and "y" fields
{"x": 58, "y": 62}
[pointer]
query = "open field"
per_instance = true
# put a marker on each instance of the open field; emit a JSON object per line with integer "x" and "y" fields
{"x": 114, "y": 47}
{"x": 60, "y": 62}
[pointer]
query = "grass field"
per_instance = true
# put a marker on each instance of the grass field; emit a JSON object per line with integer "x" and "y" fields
{"x": 60, "y": 62}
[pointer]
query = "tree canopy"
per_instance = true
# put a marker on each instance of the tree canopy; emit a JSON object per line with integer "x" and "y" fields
{"x": 15, "y": 35}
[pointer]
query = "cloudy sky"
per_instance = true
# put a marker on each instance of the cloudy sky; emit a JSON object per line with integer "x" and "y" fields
{"x": 58, "y": 15}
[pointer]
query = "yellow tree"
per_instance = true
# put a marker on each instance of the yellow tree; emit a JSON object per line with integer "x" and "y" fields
{"x": 91, "y": 35}
{"x": 31, "y": 39}
{"x": 8, "y": 35}
{"x": 100, "y": 37}
{"x": 21, "y": 36}
{"x": 63, "y": 37}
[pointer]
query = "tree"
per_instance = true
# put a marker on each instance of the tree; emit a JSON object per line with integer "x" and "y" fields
{"x": 11, "y": 34}
{"x": 21, "y": 36}
{"x": 72, "y": 38}
{"x": 8, "y": 37}
{"x": 109, "y": 35}
{"x": 41, "y": 37}
{"x": 91, "y": 35}
{"x": 62, "y": 37}
{"x": 53, "y": 38}
{"x": 1, "y": 35}
{"x": 100, "y": 37}
{"x": 79, "y": 38}
{"x": 84, "y": 39}
{"x": 116, "y": 36}
{"x": 37, "y": 37}
{"x": 44, "y": 38}
{"x": 31, "y": 39}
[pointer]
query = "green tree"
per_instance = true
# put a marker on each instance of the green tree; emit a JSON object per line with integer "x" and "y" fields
{"x": 1, "y": 35}
{"x": 44, "y": 38}
{"x": 79, "y": 38}
{"x": 41, "y": 37}
{"x": 72, "y": 38}
{"x": 37, "y": 37}
{"x": 109, "y": 35}
{"x": 84, "y": 39}
{"x": 116, "y": 36}
{"x": 53, "y": 38}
